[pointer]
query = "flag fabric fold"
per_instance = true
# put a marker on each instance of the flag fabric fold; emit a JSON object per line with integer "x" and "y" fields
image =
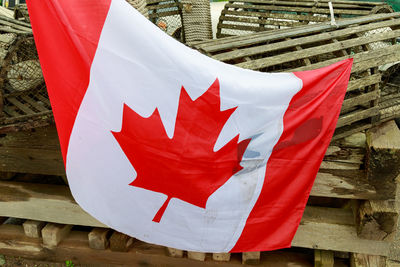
{"x": 174, "y": 148}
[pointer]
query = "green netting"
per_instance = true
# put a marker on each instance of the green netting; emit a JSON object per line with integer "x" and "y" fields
{"x": 394, "y": 3}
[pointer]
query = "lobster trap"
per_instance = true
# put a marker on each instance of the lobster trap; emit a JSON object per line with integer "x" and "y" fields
{"x": 24, "y": 101}
{"x": 246, "y": 16}
{"x": 370, "y": 40}
{"x": 167, "y": 15}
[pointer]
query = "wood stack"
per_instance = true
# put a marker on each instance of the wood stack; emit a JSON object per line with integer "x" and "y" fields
{"x": 245, "y": 16}
{"x": 314, "y": 46}
{"x": 352, "y": 207}
{"x": 352, "y": 213}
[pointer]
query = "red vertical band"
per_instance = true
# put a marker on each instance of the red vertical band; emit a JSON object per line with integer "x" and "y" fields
{"x": 309, "y": 124}
{"x": 66, "y": 35}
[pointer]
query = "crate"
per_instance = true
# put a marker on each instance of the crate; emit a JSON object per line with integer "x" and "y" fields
{"x": 369, "y": 40}
{"x": 246, "y": 16}
{"x": 167, "y": 15}
{"x": 24, "y": 102}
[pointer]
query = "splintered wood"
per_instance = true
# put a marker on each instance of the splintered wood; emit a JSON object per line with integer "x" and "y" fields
{"x": 368, "y": 40}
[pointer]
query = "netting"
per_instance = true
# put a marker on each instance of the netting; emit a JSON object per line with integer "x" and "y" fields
{"x": 24, "y": 101}
{"x": 167, "y": 15}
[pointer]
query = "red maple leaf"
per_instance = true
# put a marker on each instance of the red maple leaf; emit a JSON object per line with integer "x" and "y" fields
{"x": 184, "y": 167}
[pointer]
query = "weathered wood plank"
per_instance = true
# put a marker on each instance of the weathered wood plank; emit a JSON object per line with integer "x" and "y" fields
{"x": 383, "y": 158}
{"x": 221, "y": 256}
{"x": 269, "y": 36}
{"x": 176, "y": 253}
{"x": 361, "y": 99}
{"x": 357, "y": 116}
{"x": 75, "y": 246}
{"x": 301, "y": 41}
{"x": 297, "y": 9}
{"x": 120, "y": 242}
{"x": 197, "y": 256}
{"x": 251, "y": 258}
{"x": 33, "y": 228}
{"x": 338, "y": 4}
{"x": 54, "y": 203}
{"x": 377, "y": 220}
{"x": 53, "y": 234}
{"x": 362, "y": 260}
{"x": 318, "y": 50}
{"x": 35, "y": 151}
{"x": 354, "y": 186}
{"x": 336, "y": 237}
{"x": 98, "y": 238}
{"x": 323, "y": 258}
{"x": 363, "y": 82}
{"x": 50, "y": 203}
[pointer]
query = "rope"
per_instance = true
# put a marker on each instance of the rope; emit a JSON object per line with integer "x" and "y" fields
{"x": 196, "y": 20}
{"x": 333, "y": 21}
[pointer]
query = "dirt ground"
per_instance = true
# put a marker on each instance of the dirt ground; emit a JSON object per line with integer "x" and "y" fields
{"x": 21, "y": 262}
{"x": 274, "y": 260}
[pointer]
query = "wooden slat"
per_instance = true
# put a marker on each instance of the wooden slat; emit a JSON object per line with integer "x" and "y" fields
{"x": 338, "y": 4}
{"x": 363, "y": 82}
{"x": 75, "y": 247}
{"x": 363, "y": 60}
{"x": 34, "y": 103}
{"x": 314, "y": 51}
{"x": 53, "y": 234}
{"x": 260, "y": 21}
{"x": 243, "y": 27}
{"x": 312, "y": 233}
{"x": 357, "y": 116}
{"x": 54, "y": 203}
{"x": 361, "y": 99}
{"x": 33, "y": 228}
{"x": 302, "y": 41}
{"x": 348, "y": 130}
{"x": 297, "y": 9}
{"x": 352, "y": 187}
{"x": 272, "y": 15}
{"x": 20, "y": 105}
{"x": 241, "y": 41}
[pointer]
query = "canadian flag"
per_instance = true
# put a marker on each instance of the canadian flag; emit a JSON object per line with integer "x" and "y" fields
{"x": 169, "y": 146}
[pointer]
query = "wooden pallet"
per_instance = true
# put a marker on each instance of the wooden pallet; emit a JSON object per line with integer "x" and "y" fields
{"x": 105, "y": 247}
{"x": 352, "y": 206}
{"x": 245, "y": 16}
{"x": 369, "y": 40}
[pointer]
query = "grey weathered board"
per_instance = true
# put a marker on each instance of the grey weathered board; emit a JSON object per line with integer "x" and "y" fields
{"x": 369, "y": 40}
{"x": 325, "y": 228}
{"x": 245, "y": 16}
